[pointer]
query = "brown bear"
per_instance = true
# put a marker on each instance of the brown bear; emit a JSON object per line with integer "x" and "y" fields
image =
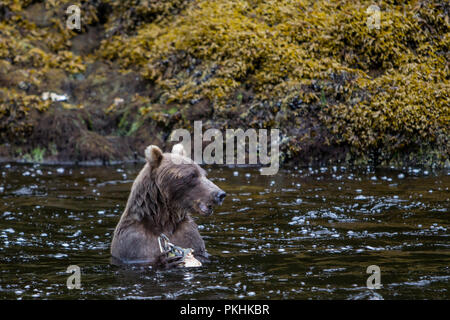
{"x": 167, "y": 190}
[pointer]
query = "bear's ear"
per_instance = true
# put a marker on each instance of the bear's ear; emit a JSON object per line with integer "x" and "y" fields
{"x": 153, "y": 155}
{"x": 179, "y": 149}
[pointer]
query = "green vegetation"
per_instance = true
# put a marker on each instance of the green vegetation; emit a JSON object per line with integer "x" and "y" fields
{"x": 339, "y": 90}
{"x": 38, "y": 154}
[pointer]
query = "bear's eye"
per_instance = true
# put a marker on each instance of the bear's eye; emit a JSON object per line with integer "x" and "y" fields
{"x": 192, "y": 176}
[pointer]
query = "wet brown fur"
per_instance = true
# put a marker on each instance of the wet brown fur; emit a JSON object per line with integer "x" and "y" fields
{"x": 161, "y": 200}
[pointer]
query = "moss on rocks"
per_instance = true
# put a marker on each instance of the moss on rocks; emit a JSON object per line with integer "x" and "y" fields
{"x": 339, "y": 89}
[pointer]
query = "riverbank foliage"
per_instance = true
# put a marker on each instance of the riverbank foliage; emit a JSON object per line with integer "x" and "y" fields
{"x": 340, "y": 89}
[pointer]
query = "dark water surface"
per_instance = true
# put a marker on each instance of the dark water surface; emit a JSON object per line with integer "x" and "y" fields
{"x": 301, "y": 234}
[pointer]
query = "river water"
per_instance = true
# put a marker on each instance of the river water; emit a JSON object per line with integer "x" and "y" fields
{"x": 302, "y": 234}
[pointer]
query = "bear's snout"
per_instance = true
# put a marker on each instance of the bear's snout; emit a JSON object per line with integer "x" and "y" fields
{"x": 219, "y": 196}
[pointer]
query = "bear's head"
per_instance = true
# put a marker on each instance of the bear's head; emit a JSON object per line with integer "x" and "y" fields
{"x": 182, "y": 183}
